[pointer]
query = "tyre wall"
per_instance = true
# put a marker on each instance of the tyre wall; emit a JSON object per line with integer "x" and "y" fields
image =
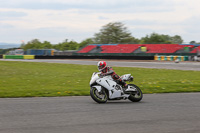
{"x": 18, "y": 56}
{"x": 171, "y": 58}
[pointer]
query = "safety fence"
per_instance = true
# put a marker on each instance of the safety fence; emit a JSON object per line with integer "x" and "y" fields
{"x": 18, "y": 56}
{"x": 119, "y": 57}
{"x": 134, "y": 54}
{"x": 171, "y": 58}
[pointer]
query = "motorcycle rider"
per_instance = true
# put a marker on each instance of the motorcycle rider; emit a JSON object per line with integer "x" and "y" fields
{"x": 106, "y": 70}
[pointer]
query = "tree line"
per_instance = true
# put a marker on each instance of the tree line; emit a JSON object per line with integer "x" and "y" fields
{"x": 111, "y": 33}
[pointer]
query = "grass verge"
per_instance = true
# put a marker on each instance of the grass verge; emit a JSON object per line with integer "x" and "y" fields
{"x": 28, "y": 79}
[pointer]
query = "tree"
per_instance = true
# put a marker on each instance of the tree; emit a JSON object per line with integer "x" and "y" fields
{"x": 113, "y": 33}
{"x": 46, "y": 45}
{"x": 131, "y": 40}
{"x": 36, "y": 44}
{"x": 33, "y": 44}
{"x": 72, "y": 45}
{"x": 193, "y": 42}
{"x": 86, "y": 42}
{"x": 156, "y": 38}
{"x": 177, "y": 39}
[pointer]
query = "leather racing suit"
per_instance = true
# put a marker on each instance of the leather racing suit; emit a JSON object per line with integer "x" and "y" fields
{"x": 110, "y": 71}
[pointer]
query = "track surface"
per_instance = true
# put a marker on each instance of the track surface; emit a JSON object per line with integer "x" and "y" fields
{"x": 156, "y": 113}
{"x": 145, "y": 64}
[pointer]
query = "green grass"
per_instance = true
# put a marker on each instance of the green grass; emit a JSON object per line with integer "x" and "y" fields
{"x": 28, "y": 79}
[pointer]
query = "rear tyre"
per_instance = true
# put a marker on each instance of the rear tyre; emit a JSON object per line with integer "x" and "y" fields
{"x": 99, "y": 97}
{"x": 136, "y": 96}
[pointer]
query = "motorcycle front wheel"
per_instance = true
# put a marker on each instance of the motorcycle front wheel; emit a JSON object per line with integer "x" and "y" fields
{"x": 99, "y": 97}
{"x": 136, "y": 96}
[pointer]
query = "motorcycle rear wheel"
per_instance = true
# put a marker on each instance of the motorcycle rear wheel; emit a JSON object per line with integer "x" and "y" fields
{"x": 99, "y": 97}
{"x": 136, "y": 97}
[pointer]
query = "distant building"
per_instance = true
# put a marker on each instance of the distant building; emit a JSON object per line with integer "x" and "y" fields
{"x": 16, "y": 52}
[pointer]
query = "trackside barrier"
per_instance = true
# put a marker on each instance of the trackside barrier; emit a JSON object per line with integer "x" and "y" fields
{"x": 13, "y": 57}
{"x": 18, "y": 56}
{"x": 155, "y": 57}
{"x": 29, "y": 56}
{"x": 162, "y": 57}
{"x": 171, "y": 58}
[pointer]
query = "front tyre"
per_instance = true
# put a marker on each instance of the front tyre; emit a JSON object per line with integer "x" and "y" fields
{"x": 99, "y": 97}
{"x": 135, "y": 96}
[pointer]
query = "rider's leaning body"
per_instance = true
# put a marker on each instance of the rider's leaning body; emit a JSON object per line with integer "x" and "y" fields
{"x": 106, "y": 70}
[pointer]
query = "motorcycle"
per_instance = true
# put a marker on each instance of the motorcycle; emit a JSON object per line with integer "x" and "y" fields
{"x": 103, "y": 88}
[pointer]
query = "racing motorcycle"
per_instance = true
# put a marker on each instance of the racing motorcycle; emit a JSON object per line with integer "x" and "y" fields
{"x": 103, "y": 88}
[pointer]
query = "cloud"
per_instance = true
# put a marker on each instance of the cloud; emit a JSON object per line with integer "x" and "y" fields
{"x": 97, "y": 6}
{"x": 54, "y": 35}
{"x": 68, "y": 19}
{"x": 102, "y": 18}
{"x": 11, "y": 15}
{"x": 6, "y": 26}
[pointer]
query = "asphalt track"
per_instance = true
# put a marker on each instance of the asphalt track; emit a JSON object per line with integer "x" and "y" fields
{"x": 156, "y": 113}
{"x": 128, "y": 63}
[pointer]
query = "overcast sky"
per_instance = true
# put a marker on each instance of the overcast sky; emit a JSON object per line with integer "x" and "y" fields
{"x": 57, "y": 20}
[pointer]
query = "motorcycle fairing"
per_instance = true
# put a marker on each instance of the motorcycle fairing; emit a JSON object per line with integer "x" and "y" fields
{"x": 125, "y": 77}
{"x": 99, "y": 88}
{"x": 107, "y": 83}
{"x": 110, "y": 85}
{"x": 95, "y": 76}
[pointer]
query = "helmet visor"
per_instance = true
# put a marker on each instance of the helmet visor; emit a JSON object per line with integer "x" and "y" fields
{"x": 102, "y": 66}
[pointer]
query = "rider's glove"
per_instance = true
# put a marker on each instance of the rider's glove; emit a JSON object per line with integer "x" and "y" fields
{"x": 101, "y": 75}
{"x": 131, "y": 78}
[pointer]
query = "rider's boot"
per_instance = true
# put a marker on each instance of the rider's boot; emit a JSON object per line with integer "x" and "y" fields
{"x": 125, "y": 87}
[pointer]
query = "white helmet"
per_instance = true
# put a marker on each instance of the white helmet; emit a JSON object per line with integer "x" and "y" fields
{"x": 101, "y": 65}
